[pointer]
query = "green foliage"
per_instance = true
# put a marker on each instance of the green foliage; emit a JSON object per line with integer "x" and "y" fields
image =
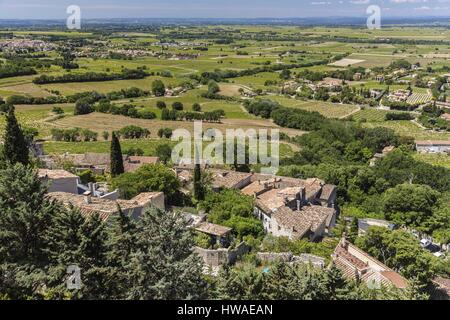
{"x": 87, "y": 176}
{"x": 161, "y": 104}
{"x": 164, "y": 152}
{"x": 409, "y": 204}
{"x": 399, "y": 250}
{"x": 322, "y": 249}
{"x": 134, "y": 132}
{"x": 202, "y": 240}
{"x": 232, "y": 209}
{"x": 122, "y": 259}
{"x": 283, "y": 282}
{"x": 158, "y": 88}
{"x": 163, "y": 266}
{"x": 148, "y": 178}
{"x": 116, "y": 156}
{"x": 165, "y": 132}
{"x": 83, "y": 106}
{"x": 15, "y": 148}
{"x": 178, "y": 106}
{"x": 196, "y": 107}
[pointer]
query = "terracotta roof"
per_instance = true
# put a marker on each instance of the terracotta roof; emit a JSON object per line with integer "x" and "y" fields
{"x": 327, "y": 191}
{"x": 317, "y": 215}
{"x": 433, "y": 142}
{"x": 228, "y": 178}
{"x": 292, "y": 220}
{"x": 55, "y": 174}
{"x": 145, "y": 198}
{"x": 256, "y": 187}
{"x": 270, "y": 201}
{"x": 388, "y": 149}
{"x": 213, "y": 229}
{"x": 443, "y": 283}
{"x": 103, "y": 207}
{"x": 133, "y": 163}
{"x": 354, "y": 263}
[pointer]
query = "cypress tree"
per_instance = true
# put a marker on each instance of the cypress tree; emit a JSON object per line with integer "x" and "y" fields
{"x": 15, "y": 149}
{"x": 199, "y": 192}
{"x": 116, "y": 156}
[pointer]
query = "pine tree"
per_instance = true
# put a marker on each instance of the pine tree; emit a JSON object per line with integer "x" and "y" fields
{"x": 336, "y": 284}
{"x": 199, "y": 192}
{"x": 164, "y": 265}
{"x": 116, "y": 156}
{"x": 25, "y": 215}
{"x": 122, "y": 240}
{"x": 15, "y": 148}
{"x": 74, "y": 239}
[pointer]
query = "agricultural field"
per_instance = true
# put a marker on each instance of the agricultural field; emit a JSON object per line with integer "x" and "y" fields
{"x": 247, "y": 67}
{"x": 442, "y": 160}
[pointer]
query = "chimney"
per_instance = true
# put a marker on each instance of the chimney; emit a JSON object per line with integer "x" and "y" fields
{"x": 91, "y": 187}
{"x": 87, "y": 197}
{"x": 299, "y": 205}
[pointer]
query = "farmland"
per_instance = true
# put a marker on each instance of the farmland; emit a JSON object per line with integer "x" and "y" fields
{"x": 181, "y": 63}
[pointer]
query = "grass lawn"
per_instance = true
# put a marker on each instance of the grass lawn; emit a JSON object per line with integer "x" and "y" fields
{"x": 442, "y": 160}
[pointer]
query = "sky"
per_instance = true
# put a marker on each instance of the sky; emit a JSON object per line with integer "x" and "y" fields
{"x": 90, "y": 9}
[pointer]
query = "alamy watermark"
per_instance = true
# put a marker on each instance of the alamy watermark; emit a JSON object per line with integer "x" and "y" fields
{"x": 374, "y": 19}
{"x": 74, "y": 19}
{"x": 74, "y": 277}
{"x": 236, "y": 146}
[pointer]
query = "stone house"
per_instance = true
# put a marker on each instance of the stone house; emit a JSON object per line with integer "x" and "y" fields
{"x": 358, "y": 265}
{"x": 59, "y": 180}
{"x": 106, "y": 208}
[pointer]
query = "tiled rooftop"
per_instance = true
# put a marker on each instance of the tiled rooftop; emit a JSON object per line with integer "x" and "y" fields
{"x": 104, "y": 207}
{"x": 213, "y": 229}
{"x": 55, "y": 174}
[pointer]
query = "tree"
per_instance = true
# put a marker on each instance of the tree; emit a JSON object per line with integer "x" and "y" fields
{"x": 353, "y": 232}
{"x": 25, "y": 216}
{"x": 15, "y": 148}
{"x": 234, "y": 210}
{"x": 199, "y": 192}
{"x": 400, "y": 251}
{"x": 196, "y": 107}
{"x": 148, "y": 178}
{"x": 161, "y": 104}
{"x": 164, "y": 152}
{"x": 285, "y": 74}
{"x": 74, "y": 239}
{"x": 410, "y": 204}
{"x": 158, "y": 88}
{"x": 123, "y": 236}
{"x": 83, "y": 106}
{"x": 163, "y": 266}
{"x": 105, "y": 135}
{"x": 165, "y": 132}
{"x": 178, "y": 106}
{"x": 116, "y": 156}
{"x": 213, "y": 87}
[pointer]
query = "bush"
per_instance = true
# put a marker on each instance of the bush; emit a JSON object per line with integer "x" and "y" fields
{"x": 196, "y": 107}
{"x": 134, "y": 132}
{"x": 83, "y": 106}
{"x": 178, "y": 106}
{"x": 158, "y": 88}
{"x": 161, "y": 104}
